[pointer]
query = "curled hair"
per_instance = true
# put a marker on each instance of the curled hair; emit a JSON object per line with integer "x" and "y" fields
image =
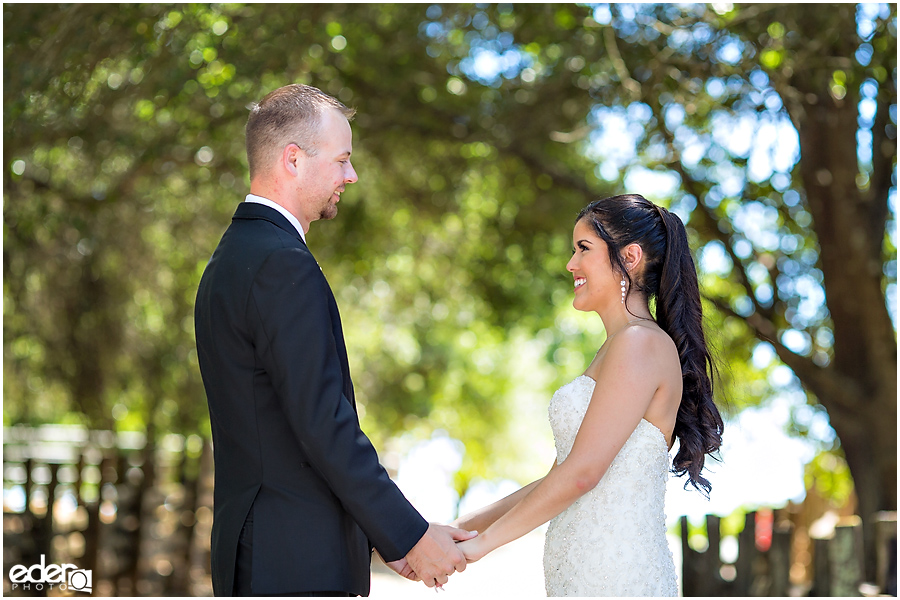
{"x": 669, "y": 276}
{"x": 289, "y": 115}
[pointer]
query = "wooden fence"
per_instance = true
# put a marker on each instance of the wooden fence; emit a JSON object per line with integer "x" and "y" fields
{"x": 765, "y": 559}
{"x": 139, "y": 515}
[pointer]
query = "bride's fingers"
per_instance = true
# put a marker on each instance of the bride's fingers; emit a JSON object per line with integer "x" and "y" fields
{"x": 460, "y": 535}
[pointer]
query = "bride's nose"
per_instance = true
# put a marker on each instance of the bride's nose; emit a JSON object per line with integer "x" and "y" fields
{"x": 570, "y": 266}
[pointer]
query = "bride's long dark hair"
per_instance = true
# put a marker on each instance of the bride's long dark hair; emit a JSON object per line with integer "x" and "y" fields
{"x": 669, "y": 276}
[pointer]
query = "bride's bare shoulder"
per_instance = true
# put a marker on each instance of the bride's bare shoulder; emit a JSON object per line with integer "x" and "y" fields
{"x": 644, "y": 337}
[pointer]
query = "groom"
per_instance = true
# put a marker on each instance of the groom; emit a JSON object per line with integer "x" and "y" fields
{"x": 300, "y": 497}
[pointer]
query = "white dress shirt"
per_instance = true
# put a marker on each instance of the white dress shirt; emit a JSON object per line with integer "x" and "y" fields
{"x": 279, "y": 208}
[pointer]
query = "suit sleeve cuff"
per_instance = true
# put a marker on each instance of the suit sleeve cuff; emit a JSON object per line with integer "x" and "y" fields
{"x": 405, "y": 540}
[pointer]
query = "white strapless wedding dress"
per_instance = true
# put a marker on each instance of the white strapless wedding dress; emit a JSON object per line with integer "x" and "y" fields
{"x": 612, "y": 540}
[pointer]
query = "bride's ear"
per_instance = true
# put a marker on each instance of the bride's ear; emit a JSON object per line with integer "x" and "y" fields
{"x": 632, "y": 254}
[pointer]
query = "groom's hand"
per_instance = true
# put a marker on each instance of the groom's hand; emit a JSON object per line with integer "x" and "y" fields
{"x": 435, "y": 557}
{"x": 402, "y": 568}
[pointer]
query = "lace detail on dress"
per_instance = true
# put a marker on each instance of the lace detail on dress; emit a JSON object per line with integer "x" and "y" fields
{"x": 612, "y": 540}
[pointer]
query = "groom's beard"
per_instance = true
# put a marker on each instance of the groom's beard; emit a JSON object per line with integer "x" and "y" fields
{"x": 329, "y": 212}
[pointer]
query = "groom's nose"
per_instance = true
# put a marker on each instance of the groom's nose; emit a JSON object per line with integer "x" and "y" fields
{"x": 350, "y": 175}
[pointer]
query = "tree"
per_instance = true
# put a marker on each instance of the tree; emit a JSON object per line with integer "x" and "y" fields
{"x": 481, "y": 132}
{"x": 833, "y": 74}
{"x": 790, "y": 234}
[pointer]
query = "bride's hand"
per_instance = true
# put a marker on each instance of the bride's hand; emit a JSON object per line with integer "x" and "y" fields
{"x": 473, "y": 549}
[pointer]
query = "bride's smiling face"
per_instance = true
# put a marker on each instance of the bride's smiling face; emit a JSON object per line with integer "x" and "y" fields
{"x": 596, "y": 284}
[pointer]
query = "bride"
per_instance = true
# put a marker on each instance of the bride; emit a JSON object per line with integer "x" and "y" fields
{"x": 649, "y": 384}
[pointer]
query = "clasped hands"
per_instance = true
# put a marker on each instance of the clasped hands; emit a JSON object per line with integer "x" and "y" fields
{"x": 436, "y": 556}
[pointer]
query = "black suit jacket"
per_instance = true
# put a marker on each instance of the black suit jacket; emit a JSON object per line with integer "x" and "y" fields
{"x": 286, "y": 435}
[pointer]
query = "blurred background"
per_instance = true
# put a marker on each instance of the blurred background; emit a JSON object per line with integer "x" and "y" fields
{"x": 771, "y": 130}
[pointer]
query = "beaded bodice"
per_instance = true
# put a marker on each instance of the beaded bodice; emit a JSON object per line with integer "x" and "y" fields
{"x": 612, "y": 540}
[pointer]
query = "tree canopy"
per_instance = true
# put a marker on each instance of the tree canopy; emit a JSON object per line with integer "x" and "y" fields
{"x": 481, "y": 131}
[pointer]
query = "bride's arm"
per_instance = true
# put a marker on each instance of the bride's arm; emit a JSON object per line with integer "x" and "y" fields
{"x": 621, "y": 397}
{"x": 481, "y": 519}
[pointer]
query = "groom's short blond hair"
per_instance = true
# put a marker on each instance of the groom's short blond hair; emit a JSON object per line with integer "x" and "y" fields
{"x": 289, "y": 115}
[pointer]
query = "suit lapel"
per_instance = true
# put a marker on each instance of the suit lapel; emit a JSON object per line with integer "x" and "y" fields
{"x": 341, "y": 348}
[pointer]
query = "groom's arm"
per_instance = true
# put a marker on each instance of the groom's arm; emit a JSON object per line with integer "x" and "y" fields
{"x": 295, "y": 343}
{"x": 289, "y": 304}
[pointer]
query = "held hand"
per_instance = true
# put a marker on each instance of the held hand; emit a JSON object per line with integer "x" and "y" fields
{"x": 435, "y": 557}
{"x": 402, "y": 568}
{"x": 457, "y": 533}
{"x": 474, "y": 549}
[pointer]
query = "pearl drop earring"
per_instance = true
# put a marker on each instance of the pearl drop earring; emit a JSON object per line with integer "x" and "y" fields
{"x": 623, "y": 291}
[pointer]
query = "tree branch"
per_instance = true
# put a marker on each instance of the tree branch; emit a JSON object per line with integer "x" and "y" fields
{"x": 632, "y": 86}
{"x": 710, "y": 221}
{"x": 882, "y": 172}
{"x": 823, "y": 382}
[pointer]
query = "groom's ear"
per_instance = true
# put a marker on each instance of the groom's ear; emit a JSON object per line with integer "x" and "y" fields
{"x": 291, "y": 159}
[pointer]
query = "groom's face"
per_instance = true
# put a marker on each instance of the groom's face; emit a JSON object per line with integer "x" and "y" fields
{"x": 326, "y": 174}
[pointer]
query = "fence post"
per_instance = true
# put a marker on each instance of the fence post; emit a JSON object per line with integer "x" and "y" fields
{"x": 92, "y": 531}
{"x": 845, "y": 557}
{"x": 128, "y": 525}
{"x": 29, "y": 484}
{"x": 821, "y": 584}
{"x": 201, "y": 536}
{"x": 51, "y": 496}
{"x": 79, "y": 477}
{"x": 780, "y": 559}
{"x": 712, "y": 558}
{"x": 886, "y": 552}
{"x": 746, "y": 553}
{"x": 688, "y": 563}
{"x": 178, "y": 584}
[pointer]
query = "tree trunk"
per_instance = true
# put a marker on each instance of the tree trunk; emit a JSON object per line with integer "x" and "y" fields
{"x": 863, "y": 404}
